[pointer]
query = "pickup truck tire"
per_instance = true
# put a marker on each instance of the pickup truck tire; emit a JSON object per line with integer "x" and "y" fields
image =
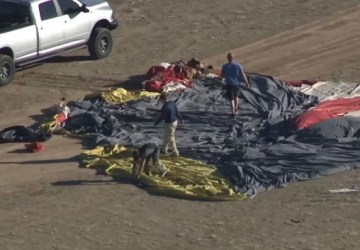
{"x": 100, "y": 43}
{"x": 7, "y": 70}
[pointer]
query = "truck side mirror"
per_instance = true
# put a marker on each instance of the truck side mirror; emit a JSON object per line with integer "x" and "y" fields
{"x": 84, "y": 9}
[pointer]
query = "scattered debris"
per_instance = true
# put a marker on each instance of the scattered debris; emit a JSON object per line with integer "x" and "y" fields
{"x": 344, "y": 190}
{"x": 34, "y": 147}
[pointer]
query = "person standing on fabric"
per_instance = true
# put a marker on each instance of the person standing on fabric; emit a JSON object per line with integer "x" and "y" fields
{"x": 234, "y": 75}
{"x": 170, "y": 114}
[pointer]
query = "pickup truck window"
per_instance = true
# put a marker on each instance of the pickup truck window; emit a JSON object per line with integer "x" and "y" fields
{"x": 68, "y": 6}
{"x": 14, "y": 16}
{"x": 47, "y": 10}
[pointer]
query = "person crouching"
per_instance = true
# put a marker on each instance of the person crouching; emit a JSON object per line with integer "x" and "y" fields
{"x": 142, "y": 157}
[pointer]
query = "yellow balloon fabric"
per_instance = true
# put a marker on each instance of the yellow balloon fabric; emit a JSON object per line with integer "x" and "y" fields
{"x": 121, "y": 95}
{"x": 186, "y": 178}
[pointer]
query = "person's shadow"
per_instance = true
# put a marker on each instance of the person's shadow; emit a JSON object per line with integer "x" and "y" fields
{"x": 67, "y": 59}
{"x": 133, "y": 83}
{"x": 56, "y": 59}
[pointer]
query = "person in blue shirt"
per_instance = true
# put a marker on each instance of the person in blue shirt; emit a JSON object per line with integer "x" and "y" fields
{"x": 170, "y": 114}
{"x": 234, "y": 75}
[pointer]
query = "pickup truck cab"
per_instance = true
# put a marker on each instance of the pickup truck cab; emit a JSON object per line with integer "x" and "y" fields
{"x": 33, "y": 30}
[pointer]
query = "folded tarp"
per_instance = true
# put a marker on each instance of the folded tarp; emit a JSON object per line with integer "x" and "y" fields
{"x": 330, "y": 90}
{"x": 164, "y": 86}
{"x": 160, "y": 76}
{"x": 341, "y": 128}
{"x": 326, "y": 110}
{"x": 301, "y": 83}
{"x": 186, "y": 178}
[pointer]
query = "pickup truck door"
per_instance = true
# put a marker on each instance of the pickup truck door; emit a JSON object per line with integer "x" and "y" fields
{"x": 77, "y": 23}
{"x": 50, "y": 24}
{"x": 24, "y": 48}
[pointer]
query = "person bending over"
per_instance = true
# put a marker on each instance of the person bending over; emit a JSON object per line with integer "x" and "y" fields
{"x": 142, "y": 157}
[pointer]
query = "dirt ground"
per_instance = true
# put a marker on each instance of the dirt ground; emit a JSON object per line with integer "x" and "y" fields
{"x": 47, "y": 202}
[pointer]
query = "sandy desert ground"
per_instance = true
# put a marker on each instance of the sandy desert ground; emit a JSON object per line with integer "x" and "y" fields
{"x": 47, "y": 202}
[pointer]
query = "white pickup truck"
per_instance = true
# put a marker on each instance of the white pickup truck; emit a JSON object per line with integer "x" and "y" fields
{"x": 33, "y": 30}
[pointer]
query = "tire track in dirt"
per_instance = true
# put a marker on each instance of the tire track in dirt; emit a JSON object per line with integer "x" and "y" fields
{"x": 306, "y": 52}
{"x": 66, "y": 81}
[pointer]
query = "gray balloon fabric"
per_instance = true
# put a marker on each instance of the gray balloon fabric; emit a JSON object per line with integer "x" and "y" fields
{"x": 257, "y": 150}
